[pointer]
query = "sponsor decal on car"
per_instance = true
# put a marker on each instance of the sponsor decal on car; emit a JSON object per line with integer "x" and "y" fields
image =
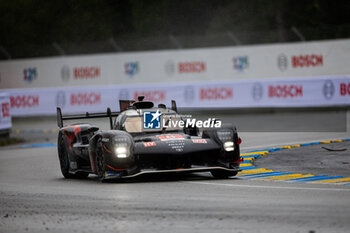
{"x": 176, "y": 145}
{"x": 149, "y": 144}
{"x": 199, "y": 141}
{"x": 169, "y": 137}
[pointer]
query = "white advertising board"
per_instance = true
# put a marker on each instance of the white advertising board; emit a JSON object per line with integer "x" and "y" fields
{"x": 289, "y": 92}
{"x": 294, "y": 60}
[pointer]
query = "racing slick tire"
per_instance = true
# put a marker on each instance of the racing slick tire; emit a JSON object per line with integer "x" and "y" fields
{"x": 100, "y": 160}
{"x": 64, "y": 160}
{"x": 222, "y": 174}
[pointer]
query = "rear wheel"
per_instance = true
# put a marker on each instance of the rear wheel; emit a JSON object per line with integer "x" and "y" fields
{"x": 218, "y": 174}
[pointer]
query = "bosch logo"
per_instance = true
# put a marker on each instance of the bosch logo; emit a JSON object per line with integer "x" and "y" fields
{"x": 192, "y": 67}
{"x": 86, "y": 72}
{"x": 24, "y": 101}
{"x": 345, "y": 89}
{"x": 85, "y": 99}
{"x": 65, "y": 73}
{"x": 189, "y": 94}
{"x": 60, "y": 99}
{"x": 307, "y": 61}
{"x": 282, "y": 62}
{"x": 285, "y": 91}
{"x": 328, "y": 90}
{"x": 257, "y": 91}
{"x": 222, "y": 93}
{"x": 30, "y": 74}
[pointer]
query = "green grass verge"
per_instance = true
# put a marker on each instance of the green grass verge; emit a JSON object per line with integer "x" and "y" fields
{"x": 10, "y": 141}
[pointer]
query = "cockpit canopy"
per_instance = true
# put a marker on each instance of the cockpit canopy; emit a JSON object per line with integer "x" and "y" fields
{"x": 131, "y": 116}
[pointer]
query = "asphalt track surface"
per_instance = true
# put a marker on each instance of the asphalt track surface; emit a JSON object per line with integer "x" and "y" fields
{"x": 35, "y": 198}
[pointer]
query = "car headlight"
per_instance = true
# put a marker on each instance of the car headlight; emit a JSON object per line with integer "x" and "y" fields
{"x": 229, "y": 146}
{"x": 121, "y": 152}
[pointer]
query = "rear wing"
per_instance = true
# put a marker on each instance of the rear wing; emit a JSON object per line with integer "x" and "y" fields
{"x": 87, "y": 115}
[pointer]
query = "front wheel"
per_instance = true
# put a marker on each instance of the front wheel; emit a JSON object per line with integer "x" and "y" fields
{"x": 218, "y": 174}
{"x": 64, "y": 160}
{"x": 63, "y": 157}
{"x": 100, "y": 161}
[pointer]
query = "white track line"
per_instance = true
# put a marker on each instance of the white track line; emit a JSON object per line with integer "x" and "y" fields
{"x": 267, "y": 187}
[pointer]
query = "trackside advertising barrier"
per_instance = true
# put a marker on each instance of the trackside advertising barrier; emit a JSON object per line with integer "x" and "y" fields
{"x": 292, "y": 60}
{"x": 287, "y": 92}
{"x": 5, "y": 114}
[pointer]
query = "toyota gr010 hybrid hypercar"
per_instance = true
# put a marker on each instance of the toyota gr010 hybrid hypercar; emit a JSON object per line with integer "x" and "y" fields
{"x": 144, "y": 139}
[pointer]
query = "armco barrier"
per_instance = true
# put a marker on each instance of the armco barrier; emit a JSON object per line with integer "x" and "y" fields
{"x": 286, "y": 92}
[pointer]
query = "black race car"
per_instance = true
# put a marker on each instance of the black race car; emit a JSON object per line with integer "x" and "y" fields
{"x": 143, "y": 139}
